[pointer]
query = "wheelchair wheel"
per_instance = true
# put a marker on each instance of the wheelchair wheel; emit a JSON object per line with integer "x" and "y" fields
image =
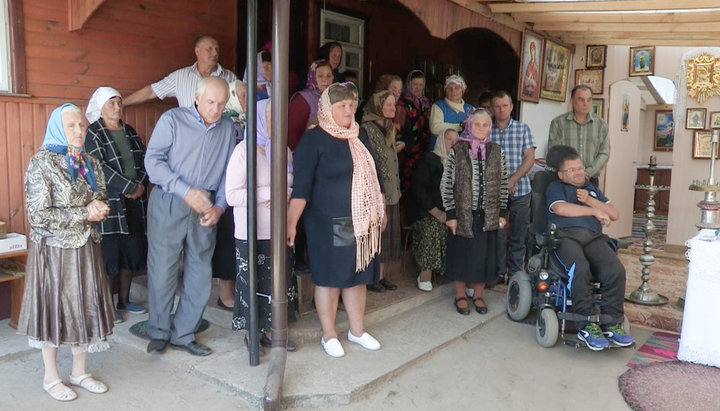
{"x": 519, "y": 297}
{"x": 546, "y": 331}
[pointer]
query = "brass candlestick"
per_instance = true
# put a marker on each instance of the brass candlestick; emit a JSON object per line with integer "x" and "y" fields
{"x": 644, "y": 295}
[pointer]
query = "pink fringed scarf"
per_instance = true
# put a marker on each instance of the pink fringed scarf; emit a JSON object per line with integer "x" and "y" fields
{"x": 367, "y": 202}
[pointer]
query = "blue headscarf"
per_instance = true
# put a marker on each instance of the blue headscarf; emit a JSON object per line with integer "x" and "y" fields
{"x": 56, "y": 142}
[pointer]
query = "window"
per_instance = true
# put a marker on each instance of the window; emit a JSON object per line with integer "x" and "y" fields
{"x": 5, "y": 74}
{"x": 350, "y": 32}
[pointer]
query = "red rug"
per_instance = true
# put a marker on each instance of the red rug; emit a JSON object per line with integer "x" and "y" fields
{"x": 671, "y": 385}
{"x": 661, "y": 346}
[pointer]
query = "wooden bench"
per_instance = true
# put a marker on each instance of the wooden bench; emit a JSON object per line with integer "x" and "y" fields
{"x": 17, "y": 286}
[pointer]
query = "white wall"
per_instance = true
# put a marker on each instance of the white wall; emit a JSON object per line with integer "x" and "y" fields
{"x": 538, "y": 118}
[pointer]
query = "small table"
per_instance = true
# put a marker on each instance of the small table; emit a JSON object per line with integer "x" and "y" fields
{"x": 700, "y": 327}
{"x": 17, "y": 287}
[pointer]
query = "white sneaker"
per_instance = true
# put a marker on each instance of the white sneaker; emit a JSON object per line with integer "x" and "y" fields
{"x": 366, "y": 340}
{"x": 332, "y": 347}
{"x": 424, "y": 285}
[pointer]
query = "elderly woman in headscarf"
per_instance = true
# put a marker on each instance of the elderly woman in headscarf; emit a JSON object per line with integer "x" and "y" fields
{"x": 121, "y": 153}
{"x": 67, "y": 298}
{"x": 377, "y": 123}
{"x": 303, "y": 107}
{"x": 223, "y": 259}
{"x": 451, "y": 111}
{"x": 236, "y": 190}
{"x": 332, "y": 52}
{"x": 413, "y": 114}
{"x": 336, "y": 184}
{"x": 427, "y": 211}
{"x": 474, "y": 194}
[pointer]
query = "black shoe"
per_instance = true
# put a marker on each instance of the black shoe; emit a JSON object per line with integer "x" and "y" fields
{"x": 480, "y": 309}
{"x": 261, "y": 350}
{"x": 194, "y": 348}
{"x": 377, "y": 287}
{"x": 267, "y": 342}
{"x": 388, "y": 285}
{"x": 223, "y": 306}
{"x": 156, "y": 346}
{"x": 462, "y": 310}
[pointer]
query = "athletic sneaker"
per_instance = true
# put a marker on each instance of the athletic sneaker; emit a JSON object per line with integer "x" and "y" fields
{"x": 131, "y": 308}
{"x": 617, "y": 336}
{"x": 592, "y": 335}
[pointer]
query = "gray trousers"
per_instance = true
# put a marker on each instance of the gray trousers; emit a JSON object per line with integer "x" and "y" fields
{"x": 173, "y": 228}
{"x": 511, "y": 259}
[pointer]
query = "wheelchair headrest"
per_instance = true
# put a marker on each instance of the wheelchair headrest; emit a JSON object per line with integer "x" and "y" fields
{"x": 537, "y": 200}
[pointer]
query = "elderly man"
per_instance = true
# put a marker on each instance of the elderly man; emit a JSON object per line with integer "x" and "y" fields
{"x": 186, "y": 159}
{"x": 584, "y": 131}
{"x": 579, "y": 210}
{"x": 518, "y": 145}
{"x": 181, "y": 83}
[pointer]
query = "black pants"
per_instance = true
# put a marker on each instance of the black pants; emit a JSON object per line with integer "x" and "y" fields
{"x": 595, "y": 261}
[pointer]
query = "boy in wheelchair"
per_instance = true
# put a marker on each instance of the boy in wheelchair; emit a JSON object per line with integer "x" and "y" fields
{"x": 579, "y": 210}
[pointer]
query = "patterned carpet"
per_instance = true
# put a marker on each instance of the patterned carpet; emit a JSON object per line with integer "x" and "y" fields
{"x": 661, "y": 346}
{"x": 638, "y": 235}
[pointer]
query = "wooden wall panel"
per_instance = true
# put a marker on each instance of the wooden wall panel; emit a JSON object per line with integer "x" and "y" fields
{"x": 123, "y": 44}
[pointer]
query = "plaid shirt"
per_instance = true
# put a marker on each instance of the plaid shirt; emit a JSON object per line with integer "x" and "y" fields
{"x": 514, "y": 140}
{"x": 589, "y": 139}
{"x": 99, "y": 143}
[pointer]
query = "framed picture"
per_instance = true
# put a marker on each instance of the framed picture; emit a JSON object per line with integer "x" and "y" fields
{"x": 695, "y": 119}
{"x": 702, "y": 144}
{"x": 715, "y": 119}
{"x": 596, "y": 106}
{"x": 642, "y": 61}
{"x": 664, "y": 130}
{"x": 592, "y": 78}
{"x": 556, "y": 65}
{"x": 421, "y": 64}
{"x": 531, "y": 67}
{"x": 595, "y": 57}
{"x": 625, "y": 113}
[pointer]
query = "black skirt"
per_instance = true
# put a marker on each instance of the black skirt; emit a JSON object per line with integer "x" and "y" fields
{"x": 472, "y": 260}
{"x": 223, "y": 260}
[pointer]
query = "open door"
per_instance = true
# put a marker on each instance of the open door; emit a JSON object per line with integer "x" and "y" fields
{"x": 621, "y": 169}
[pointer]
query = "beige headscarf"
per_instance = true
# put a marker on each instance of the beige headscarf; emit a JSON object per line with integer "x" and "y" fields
{"x": 373, "y": 112}
{"x": 367, "y": 204}
{"x": 440, "y": 148}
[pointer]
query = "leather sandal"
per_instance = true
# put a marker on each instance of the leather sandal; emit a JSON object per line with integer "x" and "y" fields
{"x": 462, "y": 310}
{"x": 480, "y": 309}
{"x": 64, "y": 394}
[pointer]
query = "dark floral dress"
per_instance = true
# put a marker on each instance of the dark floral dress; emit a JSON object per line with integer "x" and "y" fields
{"x": 415, "y": 133}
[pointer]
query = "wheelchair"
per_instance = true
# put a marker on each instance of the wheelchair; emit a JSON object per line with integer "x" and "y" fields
{"x": 544, "y": 287}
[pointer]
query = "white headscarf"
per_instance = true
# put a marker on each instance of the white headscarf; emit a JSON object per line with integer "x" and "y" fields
{"x": 233, "y": 103}
{"x": 456, "y": 79}
{"x": 98, "y": 100}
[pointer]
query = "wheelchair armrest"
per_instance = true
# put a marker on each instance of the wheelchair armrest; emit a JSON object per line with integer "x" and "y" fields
{"x": 620, "y": 243}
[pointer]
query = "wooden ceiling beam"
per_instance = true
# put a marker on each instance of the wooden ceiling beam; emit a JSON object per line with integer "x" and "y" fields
{"x": 630, "y": 27}
{"x": 704, "y": 17}
{"x": 618, "y": 39}
{"x": 616, "y": 5}
{"x": 484, "y": 10}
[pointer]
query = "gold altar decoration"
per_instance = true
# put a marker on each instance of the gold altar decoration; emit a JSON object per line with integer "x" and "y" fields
{"x": 702, "y": 75}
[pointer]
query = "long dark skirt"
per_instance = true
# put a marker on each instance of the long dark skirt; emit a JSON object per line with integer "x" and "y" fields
{"x": 241, "y": 310}
{"x": 391, "y": 238}
{"x": 67, "y": 298}
{"x": 223, "y": 259}
{"x": 126, "y": 251}
{"x": 472, "y": 260}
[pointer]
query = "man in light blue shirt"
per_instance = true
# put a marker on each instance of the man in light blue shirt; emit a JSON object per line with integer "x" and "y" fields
{"x": 518, "y": 145}
{"x": 186, "y": 160}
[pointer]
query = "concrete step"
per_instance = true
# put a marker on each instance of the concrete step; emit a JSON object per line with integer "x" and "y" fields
{"x": 416, "y": 330}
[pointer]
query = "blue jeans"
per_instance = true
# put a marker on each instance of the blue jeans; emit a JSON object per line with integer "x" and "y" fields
{"x": 512, "y": 258}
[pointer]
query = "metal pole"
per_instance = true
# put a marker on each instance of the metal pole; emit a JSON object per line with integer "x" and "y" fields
{"x": 251, "y": 133}
{"x": 280, "y": 57}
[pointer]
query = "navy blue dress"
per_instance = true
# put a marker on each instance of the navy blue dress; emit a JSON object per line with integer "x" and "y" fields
{"x": 323, "y": 171}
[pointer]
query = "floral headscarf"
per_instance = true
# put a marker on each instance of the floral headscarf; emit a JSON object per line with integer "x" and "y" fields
{"x": 467, "y": 134}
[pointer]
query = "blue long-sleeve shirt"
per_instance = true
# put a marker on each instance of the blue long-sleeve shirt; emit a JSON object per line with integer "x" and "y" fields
{"x": 183, "y": 152}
